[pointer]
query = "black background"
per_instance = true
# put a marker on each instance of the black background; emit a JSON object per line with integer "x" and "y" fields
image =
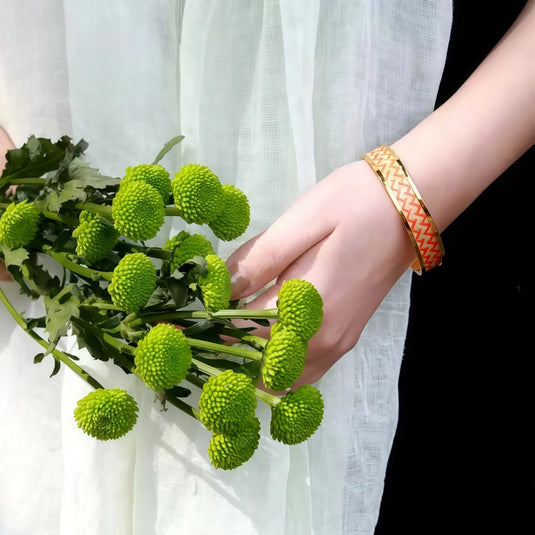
{"x": 463, "y": 456}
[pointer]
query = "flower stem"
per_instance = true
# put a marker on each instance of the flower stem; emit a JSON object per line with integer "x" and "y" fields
{"x": 56, "y": 353}
{"x": 228, "y": 350}
{"x": 84, "y": 271}
{"x": 270, "y": 313}
{"x": 266, "y": 397}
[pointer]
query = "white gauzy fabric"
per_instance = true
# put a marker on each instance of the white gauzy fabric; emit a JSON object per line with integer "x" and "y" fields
{"x": 273, "y": 96}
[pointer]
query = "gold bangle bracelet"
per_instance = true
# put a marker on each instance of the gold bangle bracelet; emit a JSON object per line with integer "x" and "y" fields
{"x": 411, "y": 208}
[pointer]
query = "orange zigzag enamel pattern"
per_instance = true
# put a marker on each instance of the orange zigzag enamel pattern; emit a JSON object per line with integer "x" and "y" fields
{"x": 410, "y": 205}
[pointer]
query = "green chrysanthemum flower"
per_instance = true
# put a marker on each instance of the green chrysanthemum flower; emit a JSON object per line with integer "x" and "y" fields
{"x": 234, "y": 217}
{"x": 133, "y": 281}
{"x": 284, "y": 359}
{"x": 18, "y": 224}
{"x": 185, "y": 247}
{"x": 138, "y": 210}
{"x": 215, "y": 285}
{"x": 227, "y": 402}
{"x": 106, "y": 414}
{"x": 197, "y": 193}
{"x": 95, "y": 237}
{"x": 163, "y": 357}
{"x": 228, "y": 451}
{"x": 297, "y": 415}
{"x": 300, "y": 307}
{"x": 155, "y": 175}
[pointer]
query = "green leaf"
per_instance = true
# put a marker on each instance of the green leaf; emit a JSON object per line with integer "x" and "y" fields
{"x": 59, "y": 311}
{"x": 38, "y": 358}
{"x": 167, "y": 147}
{"x": 14, "y": 257}
{"x": 39, "y": 156}
{"x": 179, "y": 392}
{"x": 57, "y": 366}
{"x": 86, "y": 176}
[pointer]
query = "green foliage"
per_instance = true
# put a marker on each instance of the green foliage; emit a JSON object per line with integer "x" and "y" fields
{"x": 74, "y": 239}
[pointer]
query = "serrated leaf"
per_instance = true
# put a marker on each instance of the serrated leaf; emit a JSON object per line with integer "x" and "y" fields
{"x": 14, "y": 257}
{"x": 59, "y": 311}
{"x": 86, "y": 176}
{"x": 39, "y": 156}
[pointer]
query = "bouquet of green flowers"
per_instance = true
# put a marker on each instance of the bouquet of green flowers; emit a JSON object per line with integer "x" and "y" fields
{"x": 164, "y": 313}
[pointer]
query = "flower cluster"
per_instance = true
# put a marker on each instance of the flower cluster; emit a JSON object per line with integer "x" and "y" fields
{"x": 163, "y": 314}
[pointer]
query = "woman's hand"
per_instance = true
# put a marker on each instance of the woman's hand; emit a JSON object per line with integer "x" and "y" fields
{"x": 346, "y": 238}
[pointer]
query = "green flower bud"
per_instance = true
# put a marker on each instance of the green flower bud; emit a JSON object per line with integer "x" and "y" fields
{"x": 186, "y": 247}
{"x": 227, "y": 402}
{"x": 137, "y": 210}
{"x": 155, "y": 175}
{"x": 300, "y": 307}
{"x": 18, "y": 224}
{"x": 106, "y": 414}
{"x": 228, "y": 451}
{"x": 197, "y": 193}
{"x": 215, "y": 285}
{"x": 133, "y": 281}
{"x": 95, "y": 237}
{"x": 284, "y": 359}
{"x": 233, "y": 219}
{"x": 297, "y": 415}
{"x": 163, "y": 357}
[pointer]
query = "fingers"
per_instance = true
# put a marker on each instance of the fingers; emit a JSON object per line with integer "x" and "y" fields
{"x": 262, "y": 259}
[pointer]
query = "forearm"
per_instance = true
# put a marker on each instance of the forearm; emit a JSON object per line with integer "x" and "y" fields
{"x": 456, "y": 152}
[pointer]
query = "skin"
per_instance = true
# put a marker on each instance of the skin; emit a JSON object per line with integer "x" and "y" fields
{"x": 452, "y": 155}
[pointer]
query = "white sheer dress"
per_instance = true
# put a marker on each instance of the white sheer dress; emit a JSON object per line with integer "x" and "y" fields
{"x": 272, "y": 95}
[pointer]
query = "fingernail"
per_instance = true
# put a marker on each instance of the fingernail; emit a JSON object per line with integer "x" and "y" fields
{"x": 239, "y": 285}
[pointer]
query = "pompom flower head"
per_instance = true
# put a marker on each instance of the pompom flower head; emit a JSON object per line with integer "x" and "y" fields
{"x": 297, "y": 416}
{"x": 163, "y": 357}
{"x": 230, "y": 450}
{"x": 18, "y": 224}
{"x": 133, "y": 281}
{"x": 95, "y": 237}
{"x": 227, "y": 402}
{"x": 300, "y": 307}
{"x": 215, "y": 284}
{"x": 106, "y": 414}
{"x": 234, "y": 216}
{"x": 184, "y": 247}
{"x": 197, "y": 193}
{"x": 284, "y": 359}
{"x": 155, "y": 175}
{"x": 137, "y": 210}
